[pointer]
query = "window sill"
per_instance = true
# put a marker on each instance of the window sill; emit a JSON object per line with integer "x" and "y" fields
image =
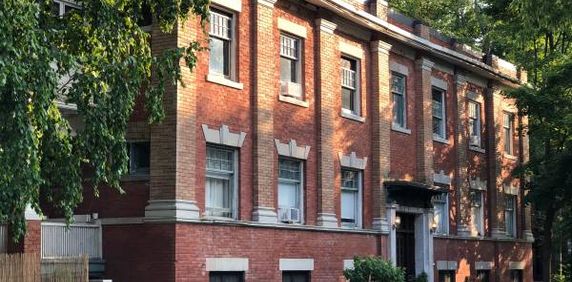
{"x": 216, "y": 218}
{"x": 476, "y": 149}
{"x": 352, "y": 116}
{"x": 440, "y": 139}
{"x": 510, "y": 157}
{"x": 400, "y": 129}
{"x": 135, "y": 177}
{"x": 293, "y": 101}
{"x": 224, "y": 81}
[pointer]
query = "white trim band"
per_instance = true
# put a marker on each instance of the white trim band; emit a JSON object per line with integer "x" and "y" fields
{"x": 296, "y": 264}
{"x": 439, "y": 83}
{"x": 351, "y": 50}
{"x": 227, "y": 264}
{"x": 292, "y": 28}
{"x": 235, "y": 5}
{"x": 399, "y": 68}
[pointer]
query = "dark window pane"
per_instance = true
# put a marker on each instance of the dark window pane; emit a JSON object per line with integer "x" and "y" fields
{"x": 139, "y": 153}
{"x": 295, "y": 276}
{"x": 226, "y": 276}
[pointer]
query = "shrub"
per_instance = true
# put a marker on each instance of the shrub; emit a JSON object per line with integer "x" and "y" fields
{"x": 373, "y": 269}
{"x": 422, "y": 277}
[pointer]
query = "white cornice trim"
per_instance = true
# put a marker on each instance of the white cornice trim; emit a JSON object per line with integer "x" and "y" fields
{"x": 352, "y": 161}
{"x": 292, "y": 150}
{"x": 223, "y": 136}
{"x": 439, "y": 83}
{"x": 268, "y": 3}
{"x": 292, "y": 28}
{"x": 351, "y": 50}
{"x": 380, "y": 46}
{"x": 326, "y": 26}
{"x": 425, "y": 63}
{"x": 399, "y": 68}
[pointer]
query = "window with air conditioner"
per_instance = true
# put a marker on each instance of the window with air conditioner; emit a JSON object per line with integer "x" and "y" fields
{"x": 439, "y": 124}
{"x": 510, "y": 215}
{"x": 290, "y": 194}
{"x": 477, "y": 214}
{"x": 350, "y": 86}
{"x": 474, "y": 124}
{"x": 440, "y": 213}
{"x": 221, "y": 44}
{"x": 398, "y": 87}
{"x": 508, "y": 133}
{"x": 221, "y": 182}
{"x": 139, "y": 162}
{"x": 351, "y": 194}
{"x": 291, "y": 66}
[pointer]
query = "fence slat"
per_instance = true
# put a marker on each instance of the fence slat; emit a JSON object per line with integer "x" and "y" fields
{"x": 3, "y": 239}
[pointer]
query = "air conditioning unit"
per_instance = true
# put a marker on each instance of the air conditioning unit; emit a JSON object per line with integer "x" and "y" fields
{"x": 475, "y": 140}
{"x": 289, "y": 215}
{"x": 291, "y": 89}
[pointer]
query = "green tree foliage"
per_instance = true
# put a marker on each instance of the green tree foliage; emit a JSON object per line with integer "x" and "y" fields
{"x": 108, "y": 57}
{"x": 373, "y": 269}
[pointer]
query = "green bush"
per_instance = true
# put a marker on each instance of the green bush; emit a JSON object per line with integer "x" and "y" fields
{"x": 373, "y": 269}
{"x": 422, "y": 277}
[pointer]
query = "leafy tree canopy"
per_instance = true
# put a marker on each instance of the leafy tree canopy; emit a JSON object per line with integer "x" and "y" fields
{"x": 107, "y": 57}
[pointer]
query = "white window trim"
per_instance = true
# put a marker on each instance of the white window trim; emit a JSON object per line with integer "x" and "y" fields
{"x": 299, "y": 74}
{"x": 302, "y": 190}
{"x": 359, "y": 206}
{"x": 232, "y": 80}
{"x": 347, "y": 113}
{"x": 438, "y": 137}
{"x": 63, "y": 3}
{"x": 226, "y": 264}
{"x": 234, "y": 182}
{"x": 509, "y": 155}
{"x": 446, "y": 215}
{"x": 479, "y": 122}
{"x": 234, "y": 5}
{"x": 478, "y": 231}
{"x": 403, "y": 72}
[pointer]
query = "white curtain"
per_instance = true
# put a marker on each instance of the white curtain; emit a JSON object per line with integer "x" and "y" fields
{"x": 217, "y": 193}
{"x": 349, "y": 201}
{"x": 288, "y": 195}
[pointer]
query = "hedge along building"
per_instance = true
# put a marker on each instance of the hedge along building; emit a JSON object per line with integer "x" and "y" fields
{"x": 315, "y": 131}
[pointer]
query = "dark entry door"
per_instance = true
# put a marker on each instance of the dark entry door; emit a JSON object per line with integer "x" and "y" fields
{"x": 406, "y": 244}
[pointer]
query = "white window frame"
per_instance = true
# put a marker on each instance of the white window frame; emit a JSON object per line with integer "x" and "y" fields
{"x": 404, "y": 95}
{"x": 472, "y": 121}
{"x": 300, "y": 183}
{"x": 477, "y": 224}
{"x": 512, "y": 233}
{"x": 225, "y": 175}
{"x": 508, "y": 117}
{"x": 441, "y": 136}
{"x": 358, "y": 205}
{"x": 445, "y": 213}
{"x": 355, "y": 88}
{"x": 232, "y": 76}
{"x": 63, "y": 4}
{"x": 132, "y": 159}
{"x": 298, "y": 58}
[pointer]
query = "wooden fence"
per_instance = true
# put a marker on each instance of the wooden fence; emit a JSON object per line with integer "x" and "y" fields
{"x": 27, "y": 268}
{"x": 3, "y": 238}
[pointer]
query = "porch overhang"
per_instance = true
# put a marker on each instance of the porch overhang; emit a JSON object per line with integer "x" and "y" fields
{"x": 410, "y": 193}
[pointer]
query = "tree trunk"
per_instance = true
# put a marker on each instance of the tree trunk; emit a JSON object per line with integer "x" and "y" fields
{"x": 547, "y": 244}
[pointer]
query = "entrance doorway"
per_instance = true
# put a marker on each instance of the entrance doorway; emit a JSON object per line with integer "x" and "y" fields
{"x": 405, "y": 235}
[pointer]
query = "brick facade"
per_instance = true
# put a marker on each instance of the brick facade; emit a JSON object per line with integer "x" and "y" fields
{"x": 159, "y": 231}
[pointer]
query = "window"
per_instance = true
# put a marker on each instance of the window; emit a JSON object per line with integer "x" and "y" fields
{"x": 351, "y": 198}
{"x": 398, "y": 86}
{"x": 139, "y": 153}
{"x": 221, "y": 181}
{"x": 295, "y": 276}
{"x": 508, "y": 127}
{"x": 510, "y": 215}
{"x": 441, "y": 212}
{"x": 225, "y": 276}
{"x": 350, "y": 86}
{"x": 61, "y": 7}
{"x": 477, "y": 212}
{"x": 516, "y": 275}
{"x": 290, "y": 190}
{"x": 221, "y": 47}
{"x": 439, "y": 130}
{"x": 483, "y": 276}
{"x": 474, "y": 124}
{"x": 447, "y": 276}
{"x": 290, "y": 66}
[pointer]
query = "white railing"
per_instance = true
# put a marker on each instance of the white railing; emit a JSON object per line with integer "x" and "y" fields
{"x": 3, "y": 238}
{"x": 59, "y": 240}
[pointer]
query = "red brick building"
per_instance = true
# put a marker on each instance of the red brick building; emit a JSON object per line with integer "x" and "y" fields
{"x": 315, "y": 131}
